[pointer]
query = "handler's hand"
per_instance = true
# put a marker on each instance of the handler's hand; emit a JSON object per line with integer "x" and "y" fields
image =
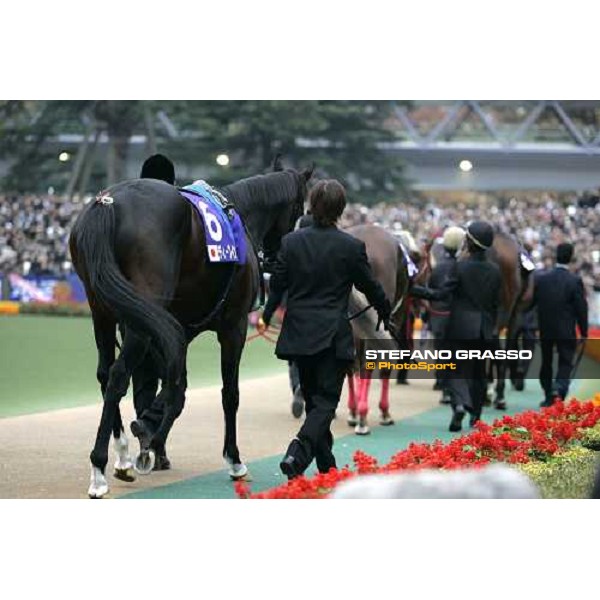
{"x": 261, "y": 326}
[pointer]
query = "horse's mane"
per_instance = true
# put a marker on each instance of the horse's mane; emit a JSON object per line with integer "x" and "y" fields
{"x": 263, "y": 191}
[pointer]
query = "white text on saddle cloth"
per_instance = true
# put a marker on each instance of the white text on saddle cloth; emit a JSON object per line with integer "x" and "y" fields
{"x": 219, "y": 250}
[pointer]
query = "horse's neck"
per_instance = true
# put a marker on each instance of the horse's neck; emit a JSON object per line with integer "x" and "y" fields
{"x": 257, "y": 224}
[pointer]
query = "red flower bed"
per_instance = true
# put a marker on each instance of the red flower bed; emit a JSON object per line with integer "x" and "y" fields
{"x": 531, "y": 435}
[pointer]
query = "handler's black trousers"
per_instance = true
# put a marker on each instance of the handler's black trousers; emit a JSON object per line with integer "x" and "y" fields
{"x": 566, "y": 351}
{"x": 321, "y": 379}
{"x": 468, "y": 384}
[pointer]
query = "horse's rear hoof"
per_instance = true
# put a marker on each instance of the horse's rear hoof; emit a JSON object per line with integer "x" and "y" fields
{"x": 500, "y": 405}
{"x": 247, "y": 477}
{"x": 386, "y": 420}
{"x": 124, "y": 475}
{"x": 144, "y": 462}
{"x": 362, "y": 429}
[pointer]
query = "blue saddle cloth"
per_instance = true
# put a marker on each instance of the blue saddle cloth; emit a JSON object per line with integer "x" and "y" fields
{"x": 225, "y": 235}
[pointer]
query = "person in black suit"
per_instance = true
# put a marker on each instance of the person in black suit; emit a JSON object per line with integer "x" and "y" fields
{"x": 440, "y": 309}
{"x": 473, "y": 291}
{"x": 317, "y": 267}
{"x": 561, "y": 305}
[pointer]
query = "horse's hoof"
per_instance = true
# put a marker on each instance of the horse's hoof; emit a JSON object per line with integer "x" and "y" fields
{"x": 386, "y": 420}
{"x": 239, "y": 472}
{"x": 352, "y": 420}
{"x": 98, "y": 484}
{"x": 162, "y": 463}
{"x": 144, "y": 462}
{"x": 247, "y": 477}
{"x": 124, "y": 475}
{"x": 97, "y": 496}
{"x": 500, "y": 405}
{"x": 362, "y": 429}
{"x": 519, "y": 385}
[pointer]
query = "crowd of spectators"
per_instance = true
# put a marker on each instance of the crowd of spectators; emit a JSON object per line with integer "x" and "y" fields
{"x": 539, "y": 221}
{"x": 34, "y": 229}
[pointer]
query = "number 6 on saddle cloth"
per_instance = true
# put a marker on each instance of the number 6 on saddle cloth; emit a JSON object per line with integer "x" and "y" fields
{"x": 225, "y": 237}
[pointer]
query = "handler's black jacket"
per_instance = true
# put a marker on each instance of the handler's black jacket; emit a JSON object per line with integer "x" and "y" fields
{"x": 440, "y": 273}
{"x": 318, "y": 266}
{"x": 473, "y": 291}
{"x": 561, "y": 303}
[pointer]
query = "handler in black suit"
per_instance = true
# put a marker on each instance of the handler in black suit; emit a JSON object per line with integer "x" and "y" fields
{"x": 560, "y": 299}
{"x": 440, "y": 309}
{"x": 317, "y": 266}
{"x": 473, "y": 291}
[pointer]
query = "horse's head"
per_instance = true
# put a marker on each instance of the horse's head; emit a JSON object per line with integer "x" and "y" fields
{"x": 271, "y": 204}
{"x": 290, "y": 210}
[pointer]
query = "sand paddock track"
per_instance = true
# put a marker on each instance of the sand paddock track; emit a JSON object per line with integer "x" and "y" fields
{"x": 45, "y": 455}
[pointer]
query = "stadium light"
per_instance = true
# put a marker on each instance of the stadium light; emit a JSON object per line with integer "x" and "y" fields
{"x": 222, "y": 160}
{"x": 465, "y": 166}
{"x": 64, "y": 156}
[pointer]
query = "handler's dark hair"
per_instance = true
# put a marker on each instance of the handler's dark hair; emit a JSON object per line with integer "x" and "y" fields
{"x": 564, "y": 253}
{"x": 327, "y": 202}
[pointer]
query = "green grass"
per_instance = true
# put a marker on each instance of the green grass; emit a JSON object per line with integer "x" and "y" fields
{"x": 48, "y": 363}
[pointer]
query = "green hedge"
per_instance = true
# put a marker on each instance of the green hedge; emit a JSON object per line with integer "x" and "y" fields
{"x": 571, "y": 473}
{"x": 64, "y": 310}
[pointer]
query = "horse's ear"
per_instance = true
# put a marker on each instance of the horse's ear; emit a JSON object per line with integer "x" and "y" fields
{"x": 308, "y": 173}
{"x": 277, "y": 164}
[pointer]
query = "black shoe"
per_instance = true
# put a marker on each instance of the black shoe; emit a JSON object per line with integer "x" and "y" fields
{"x": 297, "y": 403}
{"x": 457, "y": 417}
{"x": 473, "y": 420}
{"x": 295, "y": 461}
{"x": 402, "y": 382}
{"x": 500, "y": 404}
{"x": 289, "y": 467}
{"x": 550, "y": 401}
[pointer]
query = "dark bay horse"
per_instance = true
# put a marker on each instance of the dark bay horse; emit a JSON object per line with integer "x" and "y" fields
{"x": 140, "y": 251}
{"x": 389, "y": 268}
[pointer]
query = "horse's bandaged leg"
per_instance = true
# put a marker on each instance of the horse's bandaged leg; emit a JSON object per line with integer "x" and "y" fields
{"x": 98, "y": 484}
{"x": 123, "y": 461}
{"x": 363, "y": 395}
{"x": 384, "y": 402}
{"x": 351, "y": 394}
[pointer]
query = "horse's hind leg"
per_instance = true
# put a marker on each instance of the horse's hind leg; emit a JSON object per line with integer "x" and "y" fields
{"x": 362, "y": 427}
{"x": 169, "y": 403}
{"x": 116, "y": 385}
{"x": 384, "y": 402}
{"x": 123, "y": 463}
{"x": 352, "y": 404}
{"x": 232, "y": 342}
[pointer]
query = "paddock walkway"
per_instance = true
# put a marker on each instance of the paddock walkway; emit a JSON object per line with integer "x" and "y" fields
{"x": 425, "y": 426}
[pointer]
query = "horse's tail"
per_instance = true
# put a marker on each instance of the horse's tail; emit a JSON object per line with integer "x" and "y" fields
{"x": 94, "y": 239}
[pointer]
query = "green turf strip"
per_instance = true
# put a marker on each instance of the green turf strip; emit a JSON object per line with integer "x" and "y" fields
{"x": 48, "y": 363}
{"x": 383, "y": 443}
